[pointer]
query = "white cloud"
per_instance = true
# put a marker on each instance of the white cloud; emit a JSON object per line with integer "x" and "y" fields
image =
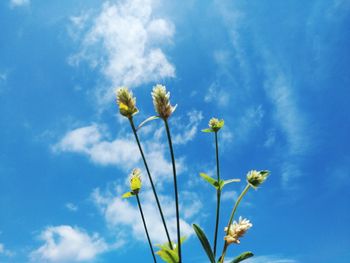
{"x": 124, "y": 43}
{"x": 287, "y": 114}
{"x": 229, "y": 196}
{"x": 270, "y": 259}
{"x": 123, "y": 216}
{"x": 217, "y": 95}
{"x": 91, "y": 141}
{"x": 17, "y": 3}
{"x": 68, "y": 244}
{"x": 186, "y": 129}
{"x": 71, "y": 207}
{"x": 4, "y": 251}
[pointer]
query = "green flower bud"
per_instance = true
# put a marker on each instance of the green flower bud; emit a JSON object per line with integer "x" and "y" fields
{"x": 256, "y": 178}
{"x": 161, "y": 101}
{"x": 126, "y": 102}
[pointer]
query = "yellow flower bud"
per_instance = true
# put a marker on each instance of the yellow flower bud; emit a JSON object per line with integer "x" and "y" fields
{"x": 135, "y": 180}
{"x": 126, "y": 102}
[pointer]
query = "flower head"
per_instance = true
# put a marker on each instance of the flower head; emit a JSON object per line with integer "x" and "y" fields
{"x": 237, "y": 230}
{"x": 161, "y": 101}
{"x": 135, "y": 180}
{"x": 216, "y": 124}
{"x": 256, "y": 178}
{"x": 126, "y": 102}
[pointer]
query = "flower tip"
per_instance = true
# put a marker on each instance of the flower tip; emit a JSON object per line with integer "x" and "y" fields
{"x": 126, "y": 102}
{"x": 256, "y": 178}
{"x": 135, "y": 181}
{"x": 161, "y": 101}
{"x": 216, "y": 124}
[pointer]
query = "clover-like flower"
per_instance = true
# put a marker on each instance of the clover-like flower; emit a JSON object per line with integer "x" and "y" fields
{"x": 216, "y": 124}
{"x": 256, "y": 178}
{"x": 126, "y": 102}
{"x": 237, "y": 230}
{"x": 161, "y": 102}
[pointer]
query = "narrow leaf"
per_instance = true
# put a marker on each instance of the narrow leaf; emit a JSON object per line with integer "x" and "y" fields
{"x": 210, "y": 180}
{"x": 127, "y": 195}
{"x": 242, "y": 257}
{"x": 231, "y": 181}
{"x": 204, "y": 241}
{"x": 207, "y": 130}
{"x": 147, "y": 120}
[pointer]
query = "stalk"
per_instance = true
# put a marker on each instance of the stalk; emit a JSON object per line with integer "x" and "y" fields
{"x": 231, "y": 219}
{"x": 175, "y": 189}
{"x": 144, "y": 224}
{"x": 151, "y": 181}
{"x": 218, "y": 194}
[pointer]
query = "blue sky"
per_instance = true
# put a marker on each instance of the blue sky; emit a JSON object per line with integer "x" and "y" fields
{"x": 276, "y": 71}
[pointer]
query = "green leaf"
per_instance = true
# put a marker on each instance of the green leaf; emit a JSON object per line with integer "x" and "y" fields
{"x": 166, "y": 255}
{"x": 210, "y": 180}
{"x": 242, "y": 257}
{"x": 207, "y": 130}
{"x": 128, "y": 194}
{"x": 147, "y": 120}
{"x": 231, "y": 181}
{"x": 204, "y": 241}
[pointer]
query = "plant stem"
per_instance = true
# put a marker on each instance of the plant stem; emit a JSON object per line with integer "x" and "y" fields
{"x": 175, "y": 188}
{"x": 144, "y": 224}
{"x": 218, "y": 193}
{"x": 151, "y": 181}
{"x": 231, "y": 219}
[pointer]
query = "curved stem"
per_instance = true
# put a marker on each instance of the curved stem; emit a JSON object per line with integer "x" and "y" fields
{"x": 175, "y": 189}
{"x": 151, "y": 181}
{"x": 144, "y": 224}
{"x": 231, "y": 219}
{"x": 218, "y": 194}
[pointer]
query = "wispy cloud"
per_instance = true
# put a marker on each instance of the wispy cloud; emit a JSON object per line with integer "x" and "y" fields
{"x": 71, "y": 207}
{"x": 270, "y": 259}
{"x": 4, "y": 251}
{"x": 19, "y": 3}
{"x": 124, "y": 42}
{"x": 217, "y": 95}
{"x": 68, "y": 244}
{"x": 186, "y": 128}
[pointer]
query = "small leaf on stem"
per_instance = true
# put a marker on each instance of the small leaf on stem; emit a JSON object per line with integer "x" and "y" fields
{"x": 204, "y": 241}
{"x": 242, "y": 257}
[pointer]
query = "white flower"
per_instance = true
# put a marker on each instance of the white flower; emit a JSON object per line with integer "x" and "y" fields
{"x": 161, "y": 101}
{"x": 237, "y": 230}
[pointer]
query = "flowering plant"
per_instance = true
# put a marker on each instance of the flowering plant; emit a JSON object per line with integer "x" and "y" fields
{"x": 170, "y": 252}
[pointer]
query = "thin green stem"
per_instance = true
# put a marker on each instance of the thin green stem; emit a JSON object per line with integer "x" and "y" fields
{"x": 175, "y": 188}
{"x": 218, "y": 193}
{"x": 151, "y": 181}
{"x": 144, "y": 224}
{"x": 231, "y": 219}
